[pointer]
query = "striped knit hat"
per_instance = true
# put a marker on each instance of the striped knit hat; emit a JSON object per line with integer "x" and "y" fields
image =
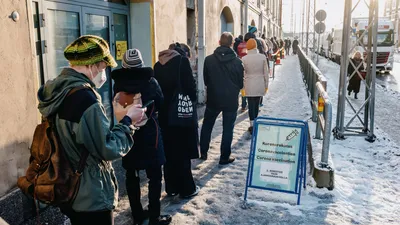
{"x": 132, "y": 59}
{"x": 88, "y": 50}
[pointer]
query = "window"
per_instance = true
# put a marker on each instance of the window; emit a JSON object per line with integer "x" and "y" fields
{"x": 122, "y": 2}
{"x": 226, "y": 19}
{"x": 383, "y": 38}
{"x": 63, "y": 29}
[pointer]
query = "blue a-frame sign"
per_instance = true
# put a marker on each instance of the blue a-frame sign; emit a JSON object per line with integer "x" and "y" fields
{"x": 277, "y": 160}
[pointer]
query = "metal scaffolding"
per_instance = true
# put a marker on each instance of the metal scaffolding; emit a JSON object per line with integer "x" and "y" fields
{"x": 302, "y": 24}
{"x": 310, "y": 23}
{"x": 366, "y": 128}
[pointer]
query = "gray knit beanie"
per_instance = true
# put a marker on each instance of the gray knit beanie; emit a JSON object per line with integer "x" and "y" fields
{"x": 132, "y": 59}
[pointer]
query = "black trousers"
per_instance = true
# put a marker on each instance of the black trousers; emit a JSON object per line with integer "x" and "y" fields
{"x": 133, "y": 188}
{"x": 228, "y": 124}
{"x": 84, "y": 218}
{"x": 178, "y": 177}
{"x": 254, "y": 105}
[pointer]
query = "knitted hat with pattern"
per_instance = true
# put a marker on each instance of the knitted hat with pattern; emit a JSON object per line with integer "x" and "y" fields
{"x": 132, "y": 59}
{"x": 88, "y": 50}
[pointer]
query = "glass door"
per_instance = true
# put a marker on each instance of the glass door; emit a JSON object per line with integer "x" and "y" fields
{"x": 120, "y": 24}
{"x": 97, "y": 22}
{"x": 63, "y": 26}
{"x": 63, "y": 23}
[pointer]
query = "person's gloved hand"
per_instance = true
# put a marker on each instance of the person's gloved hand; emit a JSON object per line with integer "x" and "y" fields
{"x": 136, "y": 113}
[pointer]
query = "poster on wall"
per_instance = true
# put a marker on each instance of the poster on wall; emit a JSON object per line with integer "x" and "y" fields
{"x": 122, "y": 46}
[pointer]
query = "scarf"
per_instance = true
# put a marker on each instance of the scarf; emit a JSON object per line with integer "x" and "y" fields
{"x": 167, "y": 55}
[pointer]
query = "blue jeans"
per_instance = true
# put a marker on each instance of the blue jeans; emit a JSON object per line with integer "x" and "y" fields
{"x": 244, "y": 102}
{"x": 228, "y": 123}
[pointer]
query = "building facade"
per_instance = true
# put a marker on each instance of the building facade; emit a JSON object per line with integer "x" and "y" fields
{"x": 34, "y": 34}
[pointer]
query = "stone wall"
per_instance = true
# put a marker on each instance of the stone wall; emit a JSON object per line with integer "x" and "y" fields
{"x": 170, "y": 23}
{"x": 19, "y": 82}
{"x": 213, "y": 22}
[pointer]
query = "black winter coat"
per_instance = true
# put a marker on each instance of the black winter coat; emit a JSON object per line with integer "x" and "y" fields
{"x": 275, "y": 45}
{"x": 295, "y": 44}
{"x": 355, "y": 81}
{"x": 179, "y": 142}
{"x": 148, "y": 149}
{"x": 223, "y": 76}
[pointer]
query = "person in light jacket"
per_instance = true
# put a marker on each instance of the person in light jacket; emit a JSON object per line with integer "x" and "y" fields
{"x": 256, "y": 78}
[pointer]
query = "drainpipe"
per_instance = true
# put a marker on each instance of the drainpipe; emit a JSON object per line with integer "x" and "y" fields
{"x": 202, "y": 51}
{"x": 280, "y": 19}
{"x": 396, "y": 24}
{"x": 246, "y": 15}
{"x": 261, "y": 28}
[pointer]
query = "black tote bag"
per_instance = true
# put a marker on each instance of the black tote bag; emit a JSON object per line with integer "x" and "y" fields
{"x": 182, "y": 110}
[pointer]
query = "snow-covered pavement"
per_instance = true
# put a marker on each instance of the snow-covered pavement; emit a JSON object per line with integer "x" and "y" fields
{"x": 366, "y": 180}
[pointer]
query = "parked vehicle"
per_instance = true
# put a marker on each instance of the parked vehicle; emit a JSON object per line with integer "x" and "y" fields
{"x": 325, "y": 41}
{"x": 385, "y": 41}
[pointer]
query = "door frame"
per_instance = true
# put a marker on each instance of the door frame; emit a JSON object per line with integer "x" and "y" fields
{"x": 99, "y": 12}
{"x": 46, "y": 36}
{"x": 93, "y": 4}
{"x": 127, "y": 14}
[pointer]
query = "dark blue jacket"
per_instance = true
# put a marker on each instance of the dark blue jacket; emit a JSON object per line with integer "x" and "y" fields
{"x": 148, "y": 149}
{"x": 223, "y": 76}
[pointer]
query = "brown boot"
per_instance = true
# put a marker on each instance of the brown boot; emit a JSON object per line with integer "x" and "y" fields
{"x": 250, "y": 130}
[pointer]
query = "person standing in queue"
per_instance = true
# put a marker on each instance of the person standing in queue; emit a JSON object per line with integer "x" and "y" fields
{"x": 135, "y": 83}
{"x": 181, "y": 144}
{"x": 81, "y": 123}
{"x": 256, "y": 79}
{"x": 223, "y": 77}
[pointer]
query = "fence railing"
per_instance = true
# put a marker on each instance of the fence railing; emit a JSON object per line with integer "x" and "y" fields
{"x": 321, "y": 105}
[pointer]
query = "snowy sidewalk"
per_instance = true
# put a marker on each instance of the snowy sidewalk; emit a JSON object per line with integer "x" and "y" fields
{"x": 367, "y": 175}
{"x": 366, "y": 190}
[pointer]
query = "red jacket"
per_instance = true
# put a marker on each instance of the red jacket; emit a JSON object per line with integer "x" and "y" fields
{"x": 242, "y": 50}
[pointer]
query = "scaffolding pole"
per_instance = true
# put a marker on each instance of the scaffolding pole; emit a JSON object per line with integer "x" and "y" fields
{"x": 308, "y": 25}
{"x": 310, "y": 35}
{"x": 352, "y": 39}
{"x": 302, "y": 24}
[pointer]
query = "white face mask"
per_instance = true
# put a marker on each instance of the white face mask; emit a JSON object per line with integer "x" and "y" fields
{"x": 99, "y": 79}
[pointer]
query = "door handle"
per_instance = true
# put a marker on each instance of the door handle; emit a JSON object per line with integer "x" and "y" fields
{"x": 44, "y": 46}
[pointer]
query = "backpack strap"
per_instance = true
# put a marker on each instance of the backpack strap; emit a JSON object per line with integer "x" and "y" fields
{"x": 82, "y": 160}
{"x": 85, "y": 152}
{"x": 75, "y": 89}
